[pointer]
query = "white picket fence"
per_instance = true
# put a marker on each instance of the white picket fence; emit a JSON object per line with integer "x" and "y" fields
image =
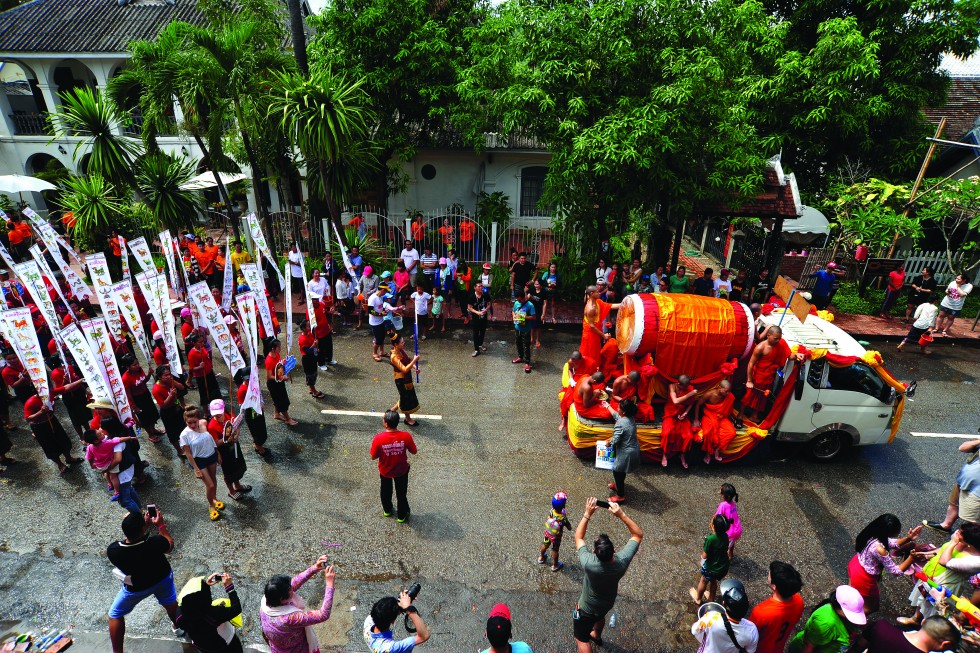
{"x": 935, "y": 261}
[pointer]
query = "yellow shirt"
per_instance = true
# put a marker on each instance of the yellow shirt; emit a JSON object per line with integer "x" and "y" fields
{"x": 237, "y": 259}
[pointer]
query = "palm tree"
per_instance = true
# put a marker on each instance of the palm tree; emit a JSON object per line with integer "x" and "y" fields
{"x": 323, "y": 116}
{"x": 94, "y": 202}
{"x": 297, "y": 32}
{"x": 159, "y": 177}
{"x": 234, "y": 63}
{"x": 87, "y": 113}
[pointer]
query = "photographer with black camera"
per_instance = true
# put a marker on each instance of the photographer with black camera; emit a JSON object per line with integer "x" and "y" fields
{"x": 210, "y": 625}
{"x": 377, "y": 627}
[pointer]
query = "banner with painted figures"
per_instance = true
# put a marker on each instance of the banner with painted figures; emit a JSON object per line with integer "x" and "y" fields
{"x": 157, "y": 295}
{"x": 102, "y": 281}
{"x": 23, "y": 338}
{"x": 141, "y": 252}
{"x": 260, "y": 244}
{"x": 228, "y": 287}
{"x": 249, "y": 318}
{"x": 42, "y": 264}
{"x": 211, "y": 318}
{"x": 167, "y": 244}
{"x": 306, "y": 290}
{"x": 253, "y": 278}
{"x": 122, "y": 294}
{"x": 124, "y": 256}
{"x": 97, "y": 334}
{"x": 78, "y": 347}
{"x": 50, "y": 237}
{"x": 30, "y": 276}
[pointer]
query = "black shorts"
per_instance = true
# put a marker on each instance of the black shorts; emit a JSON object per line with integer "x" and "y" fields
{"x": 583, "y": 623}
{"x": 379, "y": 332}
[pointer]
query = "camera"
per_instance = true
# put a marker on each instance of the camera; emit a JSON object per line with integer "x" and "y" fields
{"x": 414, "y": 590}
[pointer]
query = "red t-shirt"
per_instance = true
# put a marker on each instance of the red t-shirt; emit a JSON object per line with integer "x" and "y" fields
{"x": 57, "y": 381}
{"x": 389, "y": 448}
{"x": 195, "y": 357}
{"x": 306, "y": 340}
{"x": 216, "y": 430}
{"x": 242, "y": 391}
{"x": 323, "y": 328}
{"x": 11, "y": 373}
{"x": 186, "y": 329}
{"x": 466, "y": 230}
{"x": 159, "y": 357}
{"x": 160, "y": 392}
{"x": 32, "y": 405}
{"x": 135, "y": 382}
{"x": 776, "y": 621}
{"x": 896, "y": 280}
{"x": 271, "y": 361}
{"x": 68, "y": 319}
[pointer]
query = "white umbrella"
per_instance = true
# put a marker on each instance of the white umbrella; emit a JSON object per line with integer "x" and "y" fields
{"x": 23, "y": 184}
{"x": 206, "y": 180}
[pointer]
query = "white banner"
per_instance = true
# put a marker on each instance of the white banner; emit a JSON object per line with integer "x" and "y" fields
{"x": 141, "y": 252}
{"x": 306, "y": 292}
{"x": 211, "y": 318}
{"x": 102, "y": 281}
{"x": 228, "y": 287}
{"x": 38, "y": 255}
{"x": 256, "y": 230}
{"x": 97, "y": 334}
{"x": 247, "y": 312}
{"x": 289, "y": 313}
{"x": 124, "y": 255}
{"x": 122, "y": 295}
{"x": 78, "y": 287}
{"x": 167, "y": 243}
{"x": 49, "y": 236}
{"x": 30, "y": 276}
{"x": 157, "y": 296}
{"x": 343, "y": 253}
{"x": 78, "y": 347}
{"x": 254, "y": 280}
{"x": 5, "y": 255}
{"x": 23, "y": 338}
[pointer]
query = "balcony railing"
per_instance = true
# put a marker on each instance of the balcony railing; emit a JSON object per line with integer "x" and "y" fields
{"x": 30, "y": 124}
{"x": 134, "y": 127}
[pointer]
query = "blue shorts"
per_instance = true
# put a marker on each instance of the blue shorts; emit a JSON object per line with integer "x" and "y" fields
{"x": 127, "y": 599}
{"x": 711, "y": 576}
{"x": 949, "y": 311}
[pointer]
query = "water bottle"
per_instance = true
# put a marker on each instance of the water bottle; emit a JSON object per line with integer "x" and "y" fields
{"x": 612, "y": 620}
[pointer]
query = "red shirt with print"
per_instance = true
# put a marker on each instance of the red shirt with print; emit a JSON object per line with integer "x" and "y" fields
{"x": 195, "y": 357}
{"x": 390, "y": 449}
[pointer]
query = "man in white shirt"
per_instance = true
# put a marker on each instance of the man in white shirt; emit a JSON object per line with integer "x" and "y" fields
{"x": 296, "y": 273}
{"x": 410, "y": 257}
{"x": 421, "y": 308}
{"x": 925, "y": 321}
{"x": 376, "y": 320}
{"x": 711, "y": 631}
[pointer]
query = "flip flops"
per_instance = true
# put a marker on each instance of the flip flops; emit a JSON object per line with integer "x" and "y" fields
{"x": 214, "y": 514}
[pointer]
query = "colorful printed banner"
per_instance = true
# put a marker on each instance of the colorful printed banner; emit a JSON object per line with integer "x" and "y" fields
{"x": 7, "y": 259}
{"x": 38, "y": 255}
{"x": 167, "y": 243}
{"x": 30, "y": 276}
{"x": 78, "y": 287}
{"x": 50, "y": 237}
{"x": 124, "y": 255}
{"x": 210, "y": 315}
{"x": 228, "y": 288}
{"x": 125, "y": 300}
{"x": 154, "y": 287}
{"x": 141, "y": 252}
{"x": 256, "y": 230}
{"x": 306, "y": 291}
{"x": 247, "y": 312}
{"x": 254, "y": 280}
{"x": 78, "y": 347}
{"x": 289, "y": 314}
{"x": 23, "y": 338}
{"x": 102, "y": 281}
{"x": 97, "y": 334}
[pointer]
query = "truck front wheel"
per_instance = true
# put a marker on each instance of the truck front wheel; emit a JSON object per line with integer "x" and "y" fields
{"x": 828, "y": 445}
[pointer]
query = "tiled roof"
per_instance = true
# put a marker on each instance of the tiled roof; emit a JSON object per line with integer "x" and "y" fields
{"x": 88, "y": 25}
{"x": 780, "y": 198}
{"x": 961, "y": 110}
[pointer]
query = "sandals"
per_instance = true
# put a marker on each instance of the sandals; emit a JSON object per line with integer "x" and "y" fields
{"x": 214, "y": 514}
{"x": 414, "y": 422}
{"x": 237, "y": 496}
{"x": 245, "y": 488}
{"x": 154, "y": 438}
{"x": 220, "y": 505}
{"x": 377, "y": 359}
{"x": 558, "y": 567}
{"x": 318, "y": 395}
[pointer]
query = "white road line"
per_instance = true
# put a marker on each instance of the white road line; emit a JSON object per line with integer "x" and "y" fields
{"x": 959, "y": 436}
{"x": 369, "y": 413}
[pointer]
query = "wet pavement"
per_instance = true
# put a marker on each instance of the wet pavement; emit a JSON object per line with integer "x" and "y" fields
{"x": 480, "y": 490}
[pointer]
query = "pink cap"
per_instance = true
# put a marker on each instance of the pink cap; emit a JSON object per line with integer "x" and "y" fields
{"x": 443, "y": 261}
{"x": 229, "y": 319}
{"x": 185, "y": 312}
{"x": 852, "y": 604}
{"x": 832, "y": 266}
{"x": 368, "y": 270}
{"x": 217, "y": 407}
{"x": 158, "y": 335}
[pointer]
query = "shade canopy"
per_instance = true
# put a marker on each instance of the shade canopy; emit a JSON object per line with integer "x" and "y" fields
{"x": 811, "y": 226}
{"x": 206, "y": 180}
{"x": 24, "y": 184}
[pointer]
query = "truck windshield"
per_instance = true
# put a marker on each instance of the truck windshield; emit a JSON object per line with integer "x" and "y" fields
{"x": 858, "y": 377}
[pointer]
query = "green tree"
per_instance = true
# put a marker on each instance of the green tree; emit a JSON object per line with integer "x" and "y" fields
{"x": 94, "y": 201}
{"x": 871, "y": 213}
{"x": 159, "y": 177}
{"x": 408, "y": 53}
{"x": 953, "y": 207}
{"x": 853, "y": 77}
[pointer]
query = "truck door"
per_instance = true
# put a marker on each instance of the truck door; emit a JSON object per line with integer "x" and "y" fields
{"x": 854, "y": 396}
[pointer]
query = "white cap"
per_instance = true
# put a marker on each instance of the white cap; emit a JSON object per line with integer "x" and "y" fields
{"x": 217, "y": 407}
{"x": 229, "y": 319}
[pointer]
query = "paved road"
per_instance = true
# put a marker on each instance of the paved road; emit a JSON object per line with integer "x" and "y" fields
{"x": 479, "y": 488}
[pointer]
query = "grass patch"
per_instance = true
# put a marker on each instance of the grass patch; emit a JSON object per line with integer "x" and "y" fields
{"x": 847, "y": 300}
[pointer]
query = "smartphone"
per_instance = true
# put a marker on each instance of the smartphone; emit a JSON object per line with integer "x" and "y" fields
{"x": 601, "y": 503}
{"x": 151, "y": 510}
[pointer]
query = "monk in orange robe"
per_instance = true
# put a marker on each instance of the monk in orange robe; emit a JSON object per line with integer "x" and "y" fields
{"x": 579, "y": 366}
{"x": 589, "y": 393}
{"x": 610, "y": 360}
{"x": 595, "y": 314}
{"x": 715, "y": 408}
{"x": 769, "y": 357}
{"x": 677, "y": 433}
{"x": 627, "y": 386}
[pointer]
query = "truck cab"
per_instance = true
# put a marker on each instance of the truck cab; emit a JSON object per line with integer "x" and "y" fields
{"x": 833, "y": 408}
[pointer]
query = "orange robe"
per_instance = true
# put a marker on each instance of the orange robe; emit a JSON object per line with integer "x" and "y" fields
{"x": 586, "y": 367}
{"x": 591, "y": 344}
{"x": 764, "y": 375}
{"x": 644, "y": 411}
{"x": 610, "y": 360}
{"x": 676, "y": 434}
{"x": 716, "y": 424}
{"x": 596, "y": 411}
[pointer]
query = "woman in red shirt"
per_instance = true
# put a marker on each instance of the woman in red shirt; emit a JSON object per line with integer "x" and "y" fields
{"x": 68, "y": 382}
{"x": 168, "y": 392}
{"x": 226, "y": 440}
{"x": 275, "y": 381}
{"x": 49, "y": 433}
{"x": 324, "y": 335}
{"x": 254, "y": 420}
{"x": 202, "y": 369}
{"x": 307, "y": 346}
{"x": 135, "y": 382}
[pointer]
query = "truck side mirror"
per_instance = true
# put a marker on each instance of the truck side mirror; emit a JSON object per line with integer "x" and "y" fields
{"x": 910, "y": 390}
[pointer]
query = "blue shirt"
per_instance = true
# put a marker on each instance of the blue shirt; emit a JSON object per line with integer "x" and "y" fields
{"x": 824, "y": 284}
{"x": 523, "y": 316}
{"x": 969, "y": 478}
{"x": 385, "y": 642}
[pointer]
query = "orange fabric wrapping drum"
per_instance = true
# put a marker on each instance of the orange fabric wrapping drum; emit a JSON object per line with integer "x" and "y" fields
{"x": 686, "y": 334}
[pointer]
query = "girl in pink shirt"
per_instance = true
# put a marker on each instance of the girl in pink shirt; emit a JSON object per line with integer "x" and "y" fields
{"x": 728, "y": 508}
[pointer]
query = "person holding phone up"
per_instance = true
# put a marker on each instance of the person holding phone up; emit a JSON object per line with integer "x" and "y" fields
{"x": 287, "y": 624}
{"x": 210, "y": 624}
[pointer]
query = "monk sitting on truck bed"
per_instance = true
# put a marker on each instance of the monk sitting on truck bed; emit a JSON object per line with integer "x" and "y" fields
{"x": 589, "y": 395}
{"x": 676, "y": 433}
{"x": 579, "y": 366}
{"x": 715, "y": 409}
{"x": 768, "y": 358}
{"x": 627, "y": 386}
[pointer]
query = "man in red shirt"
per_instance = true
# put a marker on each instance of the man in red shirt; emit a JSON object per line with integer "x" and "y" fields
{"x": 418, "y": 229}
{"x": 777, "y": 616}
{"x": 202, "y": 369}
{"x": 390, "y": 448}
{"x": 324, "y": 335}
{"x": 896, "y": 280}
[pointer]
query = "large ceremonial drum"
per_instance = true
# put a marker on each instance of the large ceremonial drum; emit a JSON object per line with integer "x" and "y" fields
{"x": 686, "y": 334}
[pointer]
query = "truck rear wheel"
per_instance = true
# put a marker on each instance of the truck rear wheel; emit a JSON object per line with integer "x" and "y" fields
{"x": 828, "y": 445}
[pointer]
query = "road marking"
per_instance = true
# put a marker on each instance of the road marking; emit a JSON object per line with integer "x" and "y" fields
{"x": 959, "y": 436}
{"x": 371, "y": 413}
